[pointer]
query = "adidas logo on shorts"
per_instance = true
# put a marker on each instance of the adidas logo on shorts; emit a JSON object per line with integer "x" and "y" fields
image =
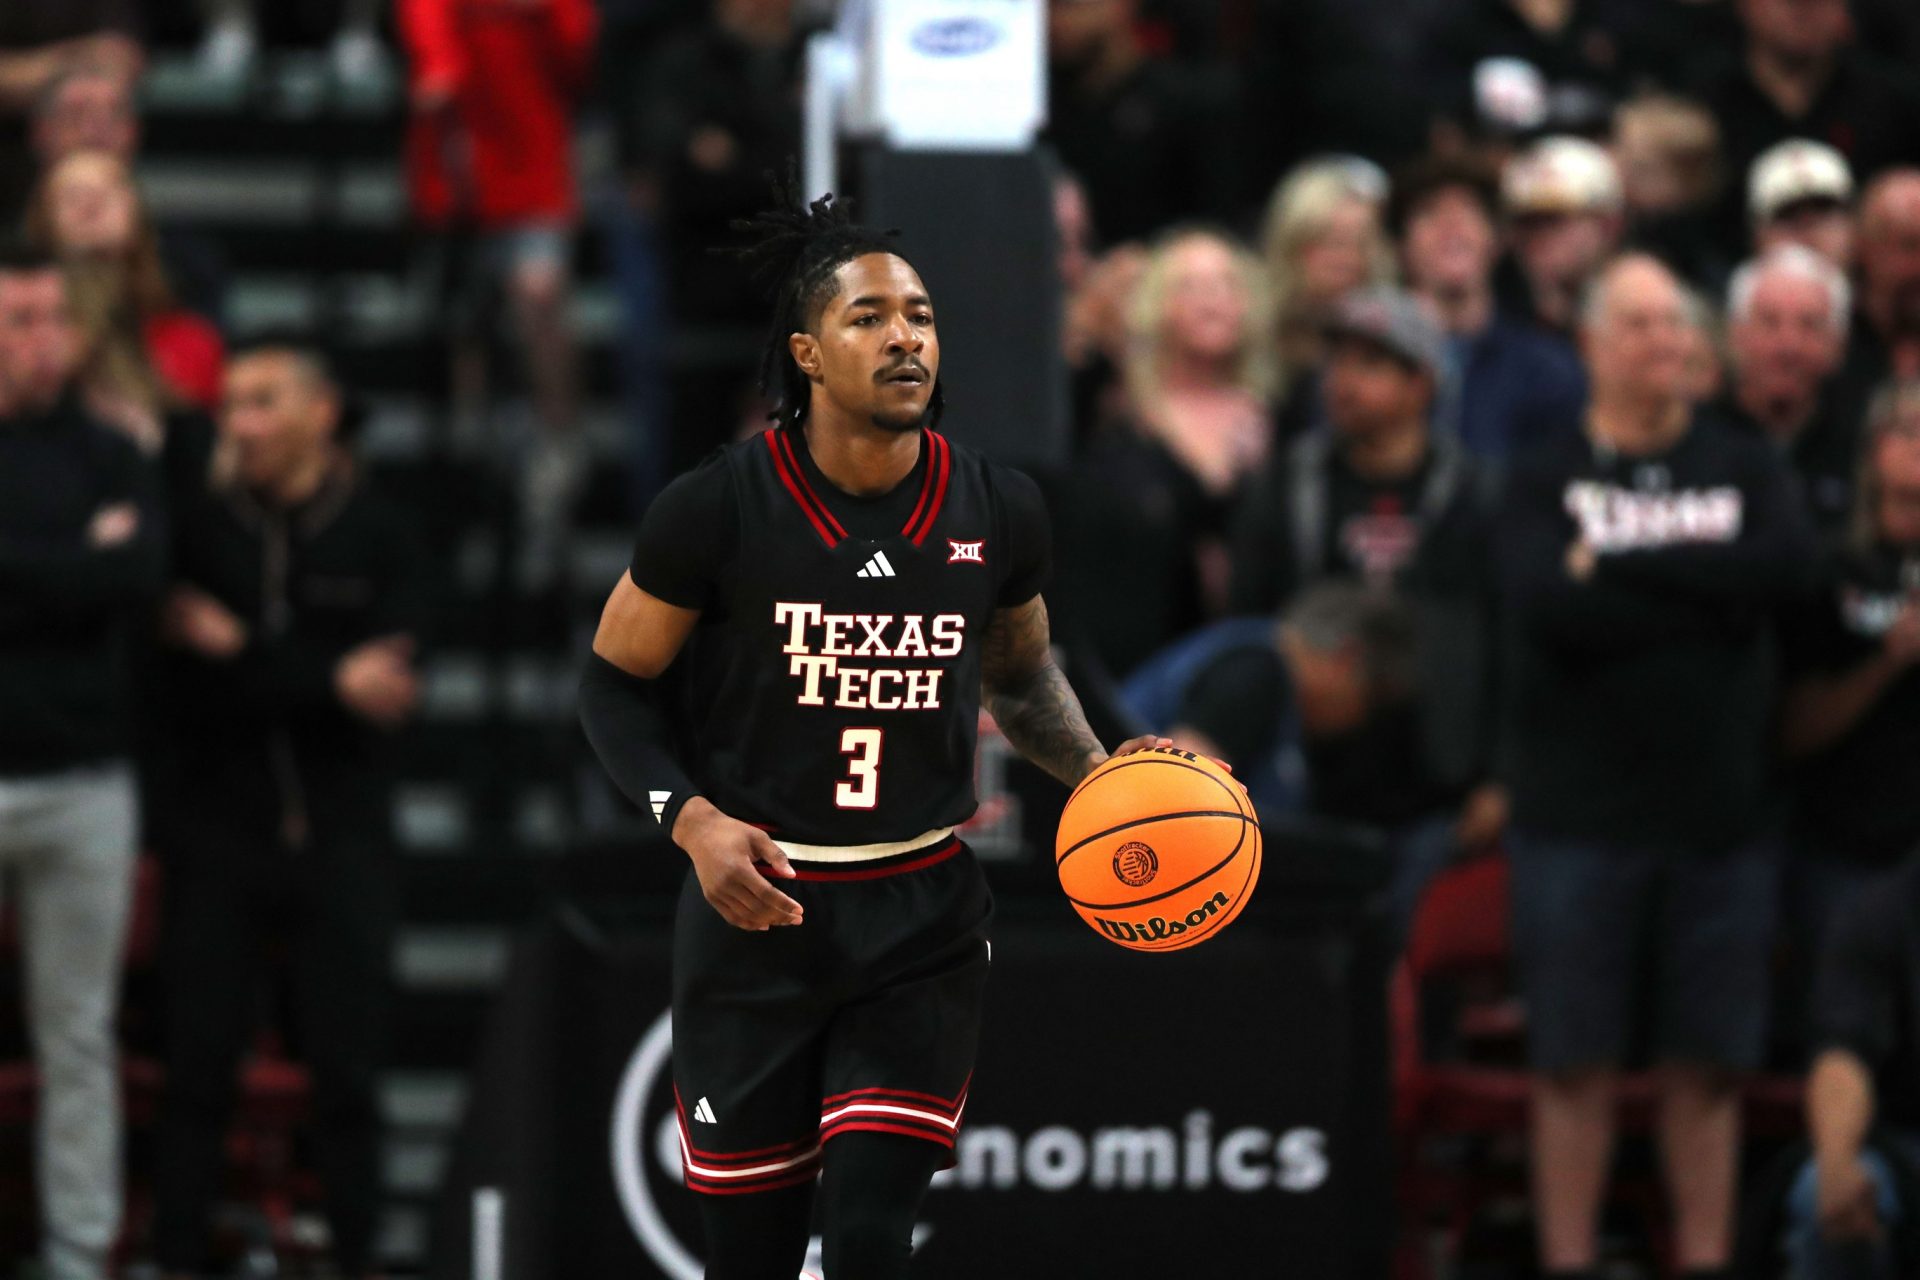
{"x": 703, "y": 1113}
{"x": 877, "y": 567}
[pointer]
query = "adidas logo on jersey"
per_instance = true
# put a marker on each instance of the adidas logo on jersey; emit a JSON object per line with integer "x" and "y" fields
{"x": 658, "y": 799}
{"x": 703, "y": 1112}
{"x": 878, "y": 567}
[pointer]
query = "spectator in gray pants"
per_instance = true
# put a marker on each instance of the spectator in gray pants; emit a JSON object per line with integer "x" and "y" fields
{"x": 79, "y": 553}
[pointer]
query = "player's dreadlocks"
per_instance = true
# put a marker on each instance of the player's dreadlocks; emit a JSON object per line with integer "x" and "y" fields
{"x": 802, "y": 251}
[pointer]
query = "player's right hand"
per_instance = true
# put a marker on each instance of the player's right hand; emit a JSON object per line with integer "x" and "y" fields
{"x": 727, "y": 857}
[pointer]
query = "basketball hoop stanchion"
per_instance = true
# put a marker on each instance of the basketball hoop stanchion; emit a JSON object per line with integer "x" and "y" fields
{"x": 927, "y": 112}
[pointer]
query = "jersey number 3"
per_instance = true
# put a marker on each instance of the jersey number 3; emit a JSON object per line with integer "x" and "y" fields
{"x": 860, "y": 789}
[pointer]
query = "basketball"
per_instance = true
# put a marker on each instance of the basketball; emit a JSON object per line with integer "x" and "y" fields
{"x": 1158, "y": 849}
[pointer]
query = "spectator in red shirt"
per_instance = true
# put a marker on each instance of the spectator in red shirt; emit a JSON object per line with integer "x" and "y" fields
{"x": 144, "y": 350}
{"x": 494, "y": 86}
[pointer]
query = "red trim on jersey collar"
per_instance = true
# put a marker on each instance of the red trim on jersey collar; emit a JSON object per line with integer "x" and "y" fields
{"x": 940, "y": 460}
{"x": 933, "y": 487}
{"x": 796, "y": 482}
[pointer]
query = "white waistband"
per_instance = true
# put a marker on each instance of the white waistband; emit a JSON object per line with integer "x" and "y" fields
{"x": 861, "y": 852}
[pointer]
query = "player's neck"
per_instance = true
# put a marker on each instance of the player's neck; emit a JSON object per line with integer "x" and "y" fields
{"x": 859, "y": 458}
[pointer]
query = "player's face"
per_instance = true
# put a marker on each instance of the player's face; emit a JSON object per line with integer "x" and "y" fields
{"x": 875, "y": 353}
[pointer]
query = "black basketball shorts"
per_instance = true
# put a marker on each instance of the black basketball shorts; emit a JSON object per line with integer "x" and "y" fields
{"x": 863, "y": 1018}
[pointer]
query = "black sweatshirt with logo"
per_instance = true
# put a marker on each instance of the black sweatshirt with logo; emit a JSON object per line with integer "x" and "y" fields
{"x": 1857, "y": 801}
{"x": 1641, "y": 698}
{"x": 67, "y": 607}
{"x": 261, "y": 744}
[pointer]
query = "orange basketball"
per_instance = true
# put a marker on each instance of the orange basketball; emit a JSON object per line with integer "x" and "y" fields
{"x": 1158, "y": 849}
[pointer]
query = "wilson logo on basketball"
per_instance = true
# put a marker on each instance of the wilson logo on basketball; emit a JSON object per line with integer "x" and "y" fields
{"x": 1136, "y": 864}
{"x": 971, "y": 552}
{"x": 1156, "y": 928}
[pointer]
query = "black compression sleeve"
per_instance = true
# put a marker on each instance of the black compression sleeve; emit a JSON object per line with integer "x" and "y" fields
{"x": 630, "y": 733}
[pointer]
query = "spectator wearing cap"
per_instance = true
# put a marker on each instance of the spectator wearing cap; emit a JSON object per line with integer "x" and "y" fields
{"x": 1641, "y": 564}
{"x": 1851, "y": 1211}
{"x": 1565, "y": 209}
{"x": 1509, "y": 384}
{"x": 290, "y": 634}
{"x": 1787, "y": 315}
{"x": 1374, "y": 489}
{"x": 1798, "y": 73}
{"x": 1196, "y": 424}
{"x": 1851, "y": 716}
{"x": 1378, "y": 498}
{"x": 81, "y": 554}
{"x": 1801, "y": 192}
{"x": 1321, "y": 238}
{"x": 1152, "y": 142}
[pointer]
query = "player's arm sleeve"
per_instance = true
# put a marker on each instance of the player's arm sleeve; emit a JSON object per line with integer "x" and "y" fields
{"x": 1027, "y": 536}
{"x": 687, "y": 537}
{"x": 627, "y": 721}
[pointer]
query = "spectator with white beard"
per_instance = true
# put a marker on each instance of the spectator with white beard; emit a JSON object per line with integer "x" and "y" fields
{"x": 1642, "y": 564}
{"x": 1787, "y": 314}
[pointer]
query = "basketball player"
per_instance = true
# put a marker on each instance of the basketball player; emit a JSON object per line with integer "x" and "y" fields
{"x": 836, "y": 597}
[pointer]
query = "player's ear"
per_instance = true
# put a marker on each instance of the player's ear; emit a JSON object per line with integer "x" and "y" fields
{"x": 805, "y": 349}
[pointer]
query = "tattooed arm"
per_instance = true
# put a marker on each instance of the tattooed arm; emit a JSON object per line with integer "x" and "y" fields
{"x": 1030, "y": 699}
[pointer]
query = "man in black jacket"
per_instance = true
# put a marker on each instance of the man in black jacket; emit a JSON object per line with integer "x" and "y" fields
{"x": 291, "y": 627}
{"x": 80, "y": 553}
{"x": 1641, "y": 562}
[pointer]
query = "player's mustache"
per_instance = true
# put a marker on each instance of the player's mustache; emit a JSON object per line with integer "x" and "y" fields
{"x": 905, "y": 366}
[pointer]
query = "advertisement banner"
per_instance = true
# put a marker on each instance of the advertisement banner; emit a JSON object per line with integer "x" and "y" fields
{"x": 1214, "y": 1112}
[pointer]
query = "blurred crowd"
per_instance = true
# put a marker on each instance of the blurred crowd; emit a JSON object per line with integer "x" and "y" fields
{"x": 1494, "y": 424}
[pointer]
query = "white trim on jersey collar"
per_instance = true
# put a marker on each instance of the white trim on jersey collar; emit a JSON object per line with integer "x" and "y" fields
{"x": 861, "y": 852}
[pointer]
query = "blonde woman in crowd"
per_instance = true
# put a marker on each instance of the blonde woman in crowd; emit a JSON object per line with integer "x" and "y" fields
{"x": 1322, "y": 237}
{"x": 1198, "y": 376}
{"x": 146, "y": 355}
{"x": 1142, "y": 522}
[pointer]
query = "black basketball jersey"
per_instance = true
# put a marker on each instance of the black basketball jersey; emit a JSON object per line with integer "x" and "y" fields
{"x": 831, "y": 690}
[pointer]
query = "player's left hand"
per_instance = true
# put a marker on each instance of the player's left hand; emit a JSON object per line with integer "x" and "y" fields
{"x": 1141, "y": 743}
